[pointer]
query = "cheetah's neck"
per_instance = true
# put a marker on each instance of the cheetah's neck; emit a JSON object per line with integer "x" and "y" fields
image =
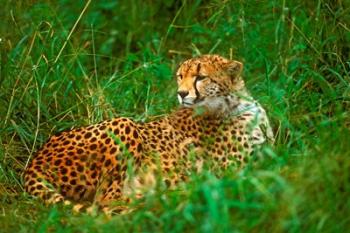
{"x": 233, "y": 104}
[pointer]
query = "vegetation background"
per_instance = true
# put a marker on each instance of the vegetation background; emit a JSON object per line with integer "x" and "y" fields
{"x": 67, "y": 63}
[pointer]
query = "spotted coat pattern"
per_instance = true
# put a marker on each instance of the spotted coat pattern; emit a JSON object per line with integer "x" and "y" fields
{"x": 218, "y": 121}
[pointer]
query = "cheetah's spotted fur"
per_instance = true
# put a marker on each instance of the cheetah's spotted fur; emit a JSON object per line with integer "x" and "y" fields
{"x": 218, "y": 119}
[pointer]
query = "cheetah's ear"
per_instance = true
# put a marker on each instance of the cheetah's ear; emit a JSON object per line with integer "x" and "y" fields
{"x": 234, "y": 68}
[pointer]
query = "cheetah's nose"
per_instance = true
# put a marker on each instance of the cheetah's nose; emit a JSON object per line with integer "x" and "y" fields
{"x": 183, "y": 94}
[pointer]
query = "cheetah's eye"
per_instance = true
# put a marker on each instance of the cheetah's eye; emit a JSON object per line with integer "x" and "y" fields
{"x": 200, "y": 77}
{"x": 179, "y": 77}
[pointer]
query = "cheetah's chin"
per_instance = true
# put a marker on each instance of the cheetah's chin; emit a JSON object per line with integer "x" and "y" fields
{"x": 187, "y": 105}
{"x": 190, "y": 104}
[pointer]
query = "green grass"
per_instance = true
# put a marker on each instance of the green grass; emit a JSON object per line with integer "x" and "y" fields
{"x": 63, "y": 66}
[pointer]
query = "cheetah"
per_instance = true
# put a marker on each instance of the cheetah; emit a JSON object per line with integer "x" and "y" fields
{"x": 106, "y": 162}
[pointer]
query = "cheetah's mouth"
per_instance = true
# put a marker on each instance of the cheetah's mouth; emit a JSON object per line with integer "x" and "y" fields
{"x": 192, "y": 103}
{"x": 186, "y": 104}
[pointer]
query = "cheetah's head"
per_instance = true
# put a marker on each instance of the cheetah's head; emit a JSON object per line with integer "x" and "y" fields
{"x": 203, "y": 79}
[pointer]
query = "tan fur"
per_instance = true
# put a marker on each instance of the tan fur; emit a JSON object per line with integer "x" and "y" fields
{"x": 117, "y": 158}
